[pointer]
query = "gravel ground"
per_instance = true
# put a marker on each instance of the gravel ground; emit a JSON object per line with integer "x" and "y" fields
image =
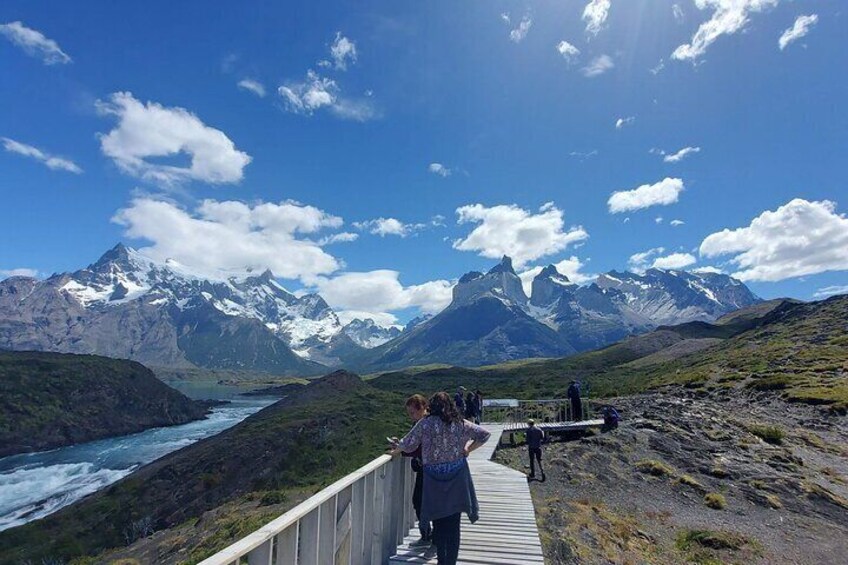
{"x": 638, "y": 494}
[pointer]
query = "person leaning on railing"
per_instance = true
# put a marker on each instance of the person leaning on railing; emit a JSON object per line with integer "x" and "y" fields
{"x": 417, "y": 408}
{"x": 448, "y": 488}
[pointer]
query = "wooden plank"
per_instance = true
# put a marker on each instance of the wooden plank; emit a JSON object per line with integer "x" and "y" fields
{"x": 261, "y": 555}
{"x": 308, "y": 543}
{"x": 287, "y": 546}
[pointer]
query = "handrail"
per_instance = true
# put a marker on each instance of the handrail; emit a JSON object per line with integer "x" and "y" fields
{"x": 358, "y": 519}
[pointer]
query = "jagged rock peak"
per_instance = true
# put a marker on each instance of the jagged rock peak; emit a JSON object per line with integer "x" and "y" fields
{"x": 471, "y": 276}
{"x": 505, "y": 266}
{"x": 551, "y": 272}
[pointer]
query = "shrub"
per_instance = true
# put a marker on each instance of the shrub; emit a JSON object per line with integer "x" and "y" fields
{"x": 710, "y": 539}
{"x": 654, "y": 467}
{"x": 769, "y": 434}
{"x": 715, "y": 500}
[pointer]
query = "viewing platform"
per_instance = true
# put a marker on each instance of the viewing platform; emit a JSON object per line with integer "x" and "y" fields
{"x": 367, "y": 517}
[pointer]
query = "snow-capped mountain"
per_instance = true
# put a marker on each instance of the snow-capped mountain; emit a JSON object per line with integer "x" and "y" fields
{"x": 183, "y": 305}
{"x": 367, "y": 334}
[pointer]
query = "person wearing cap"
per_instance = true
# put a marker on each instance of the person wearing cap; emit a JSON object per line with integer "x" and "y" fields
{"x": 534, "y": 447}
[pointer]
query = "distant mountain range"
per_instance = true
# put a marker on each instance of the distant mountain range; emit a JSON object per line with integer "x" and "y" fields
{"x": 126, "y": 305}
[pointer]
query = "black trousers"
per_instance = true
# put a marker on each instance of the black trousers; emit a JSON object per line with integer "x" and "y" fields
{"x": 446, "y": 538}
{"x": 535, "y": 455}
{"x": 423, "y": 527}
{"x": 576, "y": 409}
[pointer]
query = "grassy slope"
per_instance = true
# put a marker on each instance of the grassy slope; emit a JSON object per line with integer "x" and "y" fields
{"x": 48, "y": 400}
{"x": 322, "y": 432}
{"x": 800, "y": 349}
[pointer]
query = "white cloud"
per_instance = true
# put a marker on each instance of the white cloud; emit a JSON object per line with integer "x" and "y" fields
{"x": 680, "y": 155}
{"x": 677, "y": 222}
{"x": 583, "y": 155}
{"x": 380, "y": 291}
{"x": 707, "y": 269}
{"x": 439, "y": 169}
{"x": 505, "y": 18}
{"x": 388, "y": 226}
{"x": 660, "y": 66}
{"x": 674, "y": 261}
{"x": 598, "y": 66}
{"x": 317, "y": 92}
{"x": 20, "y": 272}
{"x": 221, "y": 238}
{"x": 34, "y": 43}
{"x": 621, "y": 122}
{"x": 678, "y": 12}
{"x": 253, "y": 86}
{"x": 570, "y": 267}
{"x": 662, "y": 193}
{"x": 343, "y": 52}
{"x": 518, "y": 34}
{"x": 831, "y": 291}
{"x": 654, "y": 259}
{"x": 383, "y": 319}
{"x": 658, "y": 220}
{"x": 51, "y": 161}
{"x": 798, "y": 30}
{"x": 510, "y": 230}
{"x": 568, "y": 51}
{"x": 343, "y": 237}
{"x": 729, "y": 17}
{"x": 799, "y": 238}
{"x": 595, "y": 15}
{"x": 151, "y": 130}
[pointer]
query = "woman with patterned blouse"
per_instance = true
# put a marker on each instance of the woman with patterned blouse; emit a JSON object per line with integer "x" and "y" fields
{"x": 446, "y": 440}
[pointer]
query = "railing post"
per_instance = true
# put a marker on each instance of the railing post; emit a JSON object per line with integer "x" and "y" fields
{"x": 369, "y": 497}
{"x": 378, "y": 521}
{"x": 357, "y": 512}
{"x": 308, "y": 544}
{"x": 261, "y": 555}
{"x": 287, "y": 545}
{"x": 327, "y": 532}
{"x": 344, "y": 509}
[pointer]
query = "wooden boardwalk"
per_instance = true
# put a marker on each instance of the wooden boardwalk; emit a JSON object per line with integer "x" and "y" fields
{"x": 514, "y": 427}
{"x": 506, "y": 533}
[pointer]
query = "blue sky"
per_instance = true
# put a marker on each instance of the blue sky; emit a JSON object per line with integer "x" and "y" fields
{"x": 364, "y": 107}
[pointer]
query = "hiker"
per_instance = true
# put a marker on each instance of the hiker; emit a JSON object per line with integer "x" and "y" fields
{"x": 573, "y": 395}
{"x": 444, "y": 437}
{"x": 470, "y": 407}
{"x": 459, "y": 400}
{"x": 611, "y": 418}
{"x": 534, "y": 448}
{"x": 416, "y": 407}
{"x": 478, "y": 400}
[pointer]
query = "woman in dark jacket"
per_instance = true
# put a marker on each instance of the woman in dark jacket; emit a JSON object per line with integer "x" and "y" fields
{"x": 444, "y": 438}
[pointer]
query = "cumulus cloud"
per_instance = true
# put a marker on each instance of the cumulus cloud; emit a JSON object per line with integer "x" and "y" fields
{"x": 595, "y": 15}
{"x": 343, "y": 52}
{"x": 799, "y": 238}
{"x": 317, "y": 92}
{"x": 674, "y": 261}
{"x": 654, "y": 259}
{"x": 570, "y": 267}
{"x": 34, "y": 43}
{"x": 50, "y": 161}
{"x": 146, "y": 131}
{"x": 381, "y": 291}
{"x": 19, "y": 272}
{"x": 598, "y": 66}
{"x": 680, "y": 155}
{"x": 253, "y": 86}
{"x": 439, "y": 169}
{"x": 383, "y": 319}
{"x": 568, "y": 51}
{"x": 388, "y": 226}
{"x": 221, "y": 238}
{"x": 511, "y": 230}
{"x": 662, "y": 193}
{"x": 729, "y": 17}
{"x": 677, "y": 222}
{"x": 518, "y": 34}
{"x": 622, "y": 122}
{"x": 831, "y": 291}
{"x": 798, "y": 30}
{"x": 707, "y": 269}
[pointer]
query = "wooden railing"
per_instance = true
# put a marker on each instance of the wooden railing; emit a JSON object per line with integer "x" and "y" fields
{"x": 360, "y": 519}
{"x": 554, "y": 410}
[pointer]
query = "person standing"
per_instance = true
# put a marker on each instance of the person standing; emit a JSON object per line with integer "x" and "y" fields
{"x": 459, "y": 400}
{"x": 470, "y": 407}
{"x": 576, "y": 404}
{"x": 535, "y": 436}
{"x": 446, "y": 440}
{"x": 478, "y": 401}
{"x": 416, "y": 408}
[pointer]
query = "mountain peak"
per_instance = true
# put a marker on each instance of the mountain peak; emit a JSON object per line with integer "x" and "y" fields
{"x": 551, "y": 272}
{"x": 505, "y": 266}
